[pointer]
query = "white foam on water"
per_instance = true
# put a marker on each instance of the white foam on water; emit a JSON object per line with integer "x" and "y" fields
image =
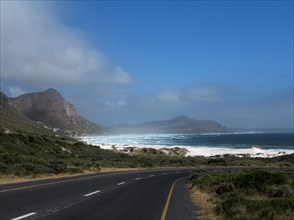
{"x": 122, "y": 141}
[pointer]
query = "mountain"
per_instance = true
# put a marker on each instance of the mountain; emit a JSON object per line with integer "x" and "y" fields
{"x": 3, "y": 99}
{"x": 49, "y": 108}
{"x": 178, "y": 125}
{"x": 14, "y": 121}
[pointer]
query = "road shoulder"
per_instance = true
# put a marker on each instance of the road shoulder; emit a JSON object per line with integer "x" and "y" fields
{"x": 181, "y": 206}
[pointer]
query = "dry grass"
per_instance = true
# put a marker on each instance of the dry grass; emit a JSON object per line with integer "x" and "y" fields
{"x": 8, "y": 179}
{"x": 104, "y": 170}
{"x": 201, "y": 200}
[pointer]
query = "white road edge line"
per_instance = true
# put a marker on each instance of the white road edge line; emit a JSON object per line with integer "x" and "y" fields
{"x": 24, "y": 216}
{"x": 151, "y": 175}
{"x": 92, "y": 193}
{"x": 138, "y": 178}
{"x": 121, "y": 183}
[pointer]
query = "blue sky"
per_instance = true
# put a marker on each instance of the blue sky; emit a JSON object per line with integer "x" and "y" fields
{"x": 134, "y": 61}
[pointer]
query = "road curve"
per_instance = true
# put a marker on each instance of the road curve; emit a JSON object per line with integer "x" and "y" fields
{"x": 149, "y": 194}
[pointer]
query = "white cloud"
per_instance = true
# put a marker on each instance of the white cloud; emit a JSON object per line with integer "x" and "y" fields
{"x": 118, "y": 103}
{"x": 15, "y": 91}
{"x": 168, "y": 96}
{"x": 189, "y": 94}
{"x": 110, "y": 91}
{"x": 205, "y": 93}
{"x": 178, "y": 98}
{"x": 37, "y": 48}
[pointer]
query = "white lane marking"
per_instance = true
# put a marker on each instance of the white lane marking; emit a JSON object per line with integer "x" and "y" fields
{"x": 151, "y": 175}
{"x": 178, "y": 172}
{"x": 25, "y": 216}
{"x": 164, "y": 174}
{"x": 92, "y": 193}
{"x": 121, "y": 183}
{"x": 138, "y": 178}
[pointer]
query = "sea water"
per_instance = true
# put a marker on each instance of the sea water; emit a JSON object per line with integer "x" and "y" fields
{"x": 207, "y": 144}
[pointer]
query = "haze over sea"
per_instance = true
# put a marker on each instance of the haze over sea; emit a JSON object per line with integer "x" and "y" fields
{"x": 253, "y": 143}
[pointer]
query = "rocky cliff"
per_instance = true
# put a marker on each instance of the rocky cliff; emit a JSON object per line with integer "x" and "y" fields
{"x": 13, "y": 121}
{"x": 50, "y": 108}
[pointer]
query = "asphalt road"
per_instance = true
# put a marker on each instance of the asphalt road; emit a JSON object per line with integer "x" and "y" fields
{"x": 150, "y": 194}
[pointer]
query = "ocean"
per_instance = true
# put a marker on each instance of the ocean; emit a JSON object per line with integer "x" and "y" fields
{"x": 254, "y": 143}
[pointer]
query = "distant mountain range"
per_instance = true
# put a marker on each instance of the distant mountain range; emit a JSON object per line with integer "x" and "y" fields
{"x": 49, "y": 111}
{"x": 178, "y": 125}
{"x": 48, "y": 108}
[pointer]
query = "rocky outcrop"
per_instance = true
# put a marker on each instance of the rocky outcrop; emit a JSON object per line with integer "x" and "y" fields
{"x": 49, "y": 108}
{"x": 13, "y": 121}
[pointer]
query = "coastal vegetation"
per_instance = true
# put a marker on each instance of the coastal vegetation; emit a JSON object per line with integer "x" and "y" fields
{"x": 237, "y": 194}
{"x": 25, "y": 154}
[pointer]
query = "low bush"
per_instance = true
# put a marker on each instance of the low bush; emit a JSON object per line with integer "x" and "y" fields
{"x": 280, "y": 191}
{"x": 3, "y": 168}
{"x": 255, "y": 194}
{"x": 239, "y": 207}
{"x": 259, "y": 179}
{"x": 57, "y": 167}
{"x": 75, "y": 170}
{"x": 217, "y": 161}
{"x": 231, "y": 206}
{"x": 25, "y": 169}
{"x": 224, "y": 188}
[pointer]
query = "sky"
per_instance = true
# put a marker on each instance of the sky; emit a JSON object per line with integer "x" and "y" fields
{"x": 136, "y": 61}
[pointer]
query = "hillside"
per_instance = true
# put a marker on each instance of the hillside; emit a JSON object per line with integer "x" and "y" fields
{"x": 14, "y": 121}
{"x": 178, "y": 125}
{"x": 49, "y": 108}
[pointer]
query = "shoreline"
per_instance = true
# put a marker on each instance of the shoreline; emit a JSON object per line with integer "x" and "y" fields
{"x": 258, "y": 145}
{"x": 254, "y": 151}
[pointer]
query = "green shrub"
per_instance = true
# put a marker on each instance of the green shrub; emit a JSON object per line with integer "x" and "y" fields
{"x": 217, "y": 161}
{"x": 280, "y": 191}
{"x": 224, "y": 188}
{"x": 79, "y": 144}
{"x": 228, "y": 207}
{"x": 3, "y": 168}
{"x": 57, "y": 167}
{"x": 259, "y": 179}
{"x": 25, "y": 169}
{"x": 243, "y": 195}
{"x": 238, "y": 207}
{"x": 75, "y": 170}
